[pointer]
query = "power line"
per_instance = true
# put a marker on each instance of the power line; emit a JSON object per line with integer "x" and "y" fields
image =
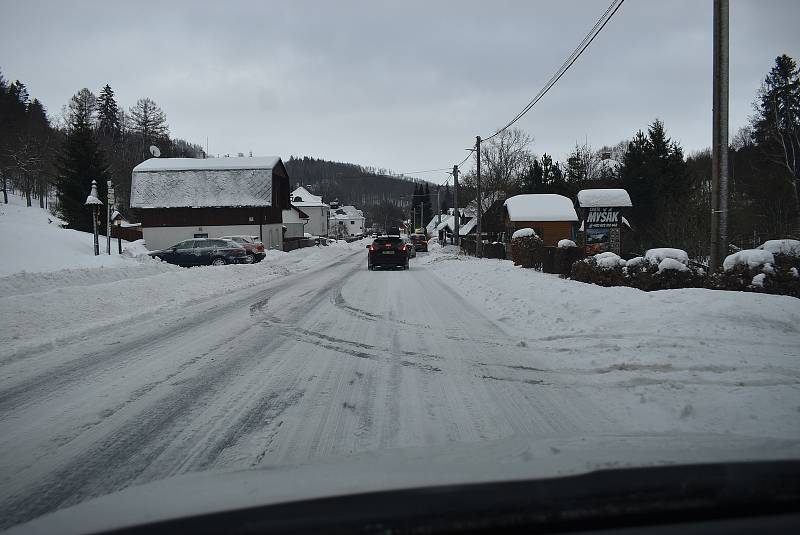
{"x": 571, "y": 59}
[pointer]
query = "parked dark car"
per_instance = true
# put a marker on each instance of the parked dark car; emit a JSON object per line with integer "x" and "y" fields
{"x": 420, "y": 242}
{"x": 389, "y": 251}
{"x": 251, "y": 244}
{"x": 203, "y": 252}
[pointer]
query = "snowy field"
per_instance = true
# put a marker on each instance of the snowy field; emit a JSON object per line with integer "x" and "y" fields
{"x": 338, "y": 379}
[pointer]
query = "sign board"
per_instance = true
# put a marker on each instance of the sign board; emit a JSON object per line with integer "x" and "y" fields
{"x": 602, "y": 230}
{"x": 603, "y": 218}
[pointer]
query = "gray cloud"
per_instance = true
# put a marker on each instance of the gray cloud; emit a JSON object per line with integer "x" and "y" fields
{"x": 405, "y": 85}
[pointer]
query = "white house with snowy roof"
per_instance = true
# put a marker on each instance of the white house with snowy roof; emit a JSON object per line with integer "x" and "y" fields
{"x": 317, "y": 211}
{"x": 346, "y": 221}
{"x": 181, "y": 198}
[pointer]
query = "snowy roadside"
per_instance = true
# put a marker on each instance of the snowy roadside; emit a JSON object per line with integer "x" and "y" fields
{"x": 42, "y": 308}
{"x": 714, "y": 360}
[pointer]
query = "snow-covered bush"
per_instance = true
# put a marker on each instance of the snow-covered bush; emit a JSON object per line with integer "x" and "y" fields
{"x": 655, "y": 256}
{"x": 527, "y": 248}
{"x": 563, "y": 244}
{"x": 752, "y": 258}
{"x": 604, "y": 269}
{"x": 565, "y": 257}
{"x": 662, "y": 271}
{"x": 761, "y": 270}
{"x": 786, "y": 247}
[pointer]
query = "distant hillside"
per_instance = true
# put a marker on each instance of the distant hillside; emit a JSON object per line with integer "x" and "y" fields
{"x": 350, "y": 183}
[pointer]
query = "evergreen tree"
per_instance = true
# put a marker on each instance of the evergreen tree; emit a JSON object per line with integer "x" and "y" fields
{"x": 81, "y": 162}
{"x": 446, "y": 200}
{"x": 776, "y": 124}
{"x": 657, "y": 179}
{"x": 108, "y": 124}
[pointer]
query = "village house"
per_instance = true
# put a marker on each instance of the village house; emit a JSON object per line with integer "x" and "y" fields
{"x": 346, "y": 221}
{"x": 181, "y": 198}
{"x": 318, "y": 212}
{"x": 551, "y": 216}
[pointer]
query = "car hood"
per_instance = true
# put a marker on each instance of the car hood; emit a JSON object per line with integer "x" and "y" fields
{"x": 515, "y": 458}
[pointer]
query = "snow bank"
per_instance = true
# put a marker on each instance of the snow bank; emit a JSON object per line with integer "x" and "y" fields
{"x": 602, "y": 198}
{"x": 758, "y": 280}
{"x": 523, "y": 233}
{"x": 671, "y": 264}
{"x": 655, "y": 256}
{"x": 787, "y": 247}
{"x": 540, "y": 207}
{"x": 32, "y": 240}
{"x": 42, "y": 308}
{"x": 749, "y": 257}
{"x": 563, "y": 244}
{"x": 135, "y": 249}
{"x": 608, "y": 260}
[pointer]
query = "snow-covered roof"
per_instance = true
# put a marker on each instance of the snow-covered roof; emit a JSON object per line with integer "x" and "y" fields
{"x": 540, "y": 207}
{"x": 306, "y": 198}
{"x": 447, "y": 222}
{"x": 467, "y": 227}
{"x": 196, "y": 183}
{"x": 185, "y": 164}
{"x": 346, "y": 212}
{"x": 601, "y": 198}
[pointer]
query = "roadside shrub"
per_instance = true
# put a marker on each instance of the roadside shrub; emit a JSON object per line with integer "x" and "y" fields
{"x": 752, "y": 273}
{"x": 565, "y": 257}
{"x": 604, "y": 269}
{"x": 526, "y": 249}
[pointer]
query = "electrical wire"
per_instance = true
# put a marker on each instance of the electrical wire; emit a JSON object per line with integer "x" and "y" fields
{"x": 571, "y": 59}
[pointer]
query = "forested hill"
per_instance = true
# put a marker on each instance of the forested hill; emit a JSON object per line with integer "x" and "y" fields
{"x": 350, "y": 183}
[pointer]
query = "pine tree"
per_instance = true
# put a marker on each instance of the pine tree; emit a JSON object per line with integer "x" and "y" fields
{"x": 427, "y": 206}
{"x": 108, "y": 124}
{"x": 81, "y": 162}
{"x": 776, "y": 124}
{"x": 656, "y": 177}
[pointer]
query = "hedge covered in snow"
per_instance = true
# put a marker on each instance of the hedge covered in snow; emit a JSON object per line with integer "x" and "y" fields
{"x": 754, "y": 270}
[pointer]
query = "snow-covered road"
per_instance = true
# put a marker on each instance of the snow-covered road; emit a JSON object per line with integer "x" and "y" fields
{"x": 327, "y": 361}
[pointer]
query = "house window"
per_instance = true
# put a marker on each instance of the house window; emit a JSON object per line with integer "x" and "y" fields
{"x": 203, "y": 235}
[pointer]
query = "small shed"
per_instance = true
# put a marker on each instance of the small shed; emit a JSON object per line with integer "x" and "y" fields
{"x": 602, "y": 214}
{"x": 551, "y": 216}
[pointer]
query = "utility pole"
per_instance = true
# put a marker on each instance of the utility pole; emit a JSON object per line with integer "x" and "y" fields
{"x": 478, "y": 233}
{"x": 455, "y": 204}
{"x": 719, "y": 138}
{"x": 421, "y": 215}
{"x": 109, "y": 201}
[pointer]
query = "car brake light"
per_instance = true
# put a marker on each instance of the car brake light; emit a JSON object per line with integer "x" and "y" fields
{"x": 372, "y": 248}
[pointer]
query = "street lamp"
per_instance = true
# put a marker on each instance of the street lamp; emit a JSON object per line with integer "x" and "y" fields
{"x": 94, "y": 203}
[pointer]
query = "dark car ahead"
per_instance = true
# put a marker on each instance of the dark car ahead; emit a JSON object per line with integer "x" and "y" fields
{"x": 203, "y": 252}
{"x": 387, "y": 251}
{"x": 420, "y": 242}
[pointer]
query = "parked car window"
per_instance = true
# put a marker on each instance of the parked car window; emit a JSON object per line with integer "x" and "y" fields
{"x": 187, "y": 244}
{"x": 199, "y": 244}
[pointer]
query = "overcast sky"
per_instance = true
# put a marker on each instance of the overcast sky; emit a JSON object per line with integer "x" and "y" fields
{"x": 403, "y": 85}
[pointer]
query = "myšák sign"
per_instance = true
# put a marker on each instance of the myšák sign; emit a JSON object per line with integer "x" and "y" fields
{"x": 603, "y": 218}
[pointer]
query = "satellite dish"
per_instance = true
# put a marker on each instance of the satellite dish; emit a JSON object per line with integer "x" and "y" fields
{"x": 154, "y": 151}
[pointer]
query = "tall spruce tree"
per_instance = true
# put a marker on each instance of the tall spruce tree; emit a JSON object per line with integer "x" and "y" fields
{"x": 108, "y": 124}
{"x": 776, "y": 124}
{"x": 81, "y": 161}
{"x": 655, "y": 175}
